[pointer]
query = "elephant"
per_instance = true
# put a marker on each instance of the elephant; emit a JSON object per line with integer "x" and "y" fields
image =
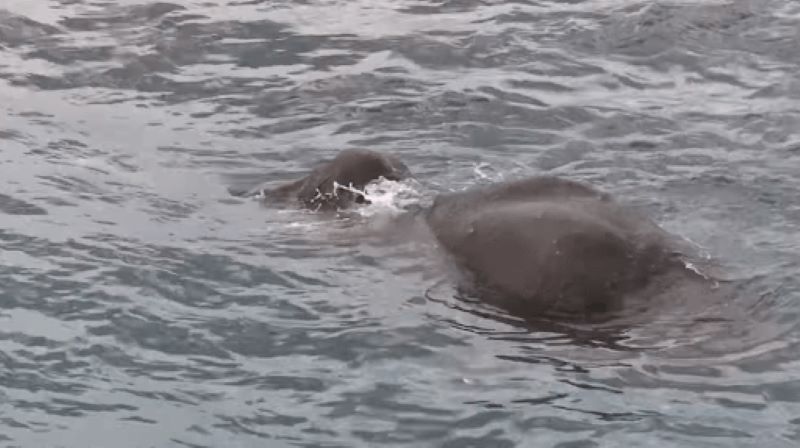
{"x": 547, "y": 246}
{"x": 535, "y": 247}
{"x": 335, "y": 184}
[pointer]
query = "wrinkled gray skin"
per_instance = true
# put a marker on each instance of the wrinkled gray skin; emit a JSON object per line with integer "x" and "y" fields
{"x": 351, "y": 168}
{"x": 537, "y": 247}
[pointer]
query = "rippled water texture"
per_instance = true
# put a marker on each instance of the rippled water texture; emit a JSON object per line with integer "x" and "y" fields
{"x": 142, "y": 306}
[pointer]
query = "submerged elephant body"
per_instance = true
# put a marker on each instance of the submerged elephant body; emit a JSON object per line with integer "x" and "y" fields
{"x": 335, "y": 184}
{"x": 550, "y": 246}
{"x": 541, "y": 246}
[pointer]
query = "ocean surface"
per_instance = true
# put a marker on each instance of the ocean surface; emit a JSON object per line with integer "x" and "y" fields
{"x": 141, "y": 305}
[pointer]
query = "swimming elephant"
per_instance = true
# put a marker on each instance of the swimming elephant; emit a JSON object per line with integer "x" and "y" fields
{"x": 536, "y": 247}
{"x": 549, "y": 246}
{"x": 335, "y": 184}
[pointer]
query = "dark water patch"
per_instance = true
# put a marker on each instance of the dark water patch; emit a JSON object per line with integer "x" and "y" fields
{"x": 12, "y": 206}
{"x": 18, "y": 30}
{"x": 6, "y": 134}
{"x": 644, "y": 29}
{"x": 68, "y": 55}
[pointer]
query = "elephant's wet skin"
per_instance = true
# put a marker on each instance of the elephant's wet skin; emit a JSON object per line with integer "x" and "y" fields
{"x": 335, "y": 184}
{"x": 546, "y": 246}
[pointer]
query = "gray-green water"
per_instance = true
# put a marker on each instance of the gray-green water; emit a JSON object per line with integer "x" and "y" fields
{"x": 141, "y": 306}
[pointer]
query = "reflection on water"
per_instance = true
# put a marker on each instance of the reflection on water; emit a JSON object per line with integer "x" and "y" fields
{"x": 141, "y": 305}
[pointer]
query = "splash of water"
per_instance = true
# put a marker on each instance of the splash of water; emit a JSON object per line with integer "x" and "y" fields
{"x": 386, "y": 196}
{"x": 479, "y": 170}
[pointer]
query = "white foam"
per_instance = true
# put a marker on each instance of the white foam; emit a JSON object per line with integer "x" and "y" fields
{"x": 386, "y": 196}
{"x": 478, "y": 170}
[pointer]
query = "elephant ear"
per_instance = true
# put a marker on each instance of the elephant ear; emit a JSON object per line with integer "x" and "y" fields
{"x": 316, "y": 188}
{"x": 321, "y": 191}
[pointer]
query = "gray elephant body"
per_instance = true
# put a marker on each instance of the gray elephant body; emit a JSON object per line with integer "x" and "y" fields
{"x": 536, "y": 247}
{"x": 550, "y": 246}
{"x": 335, "y": 184}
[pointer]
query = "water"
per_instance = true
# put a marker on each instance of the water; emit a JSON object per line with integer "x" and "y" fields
{"x": 142, "y": 306}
